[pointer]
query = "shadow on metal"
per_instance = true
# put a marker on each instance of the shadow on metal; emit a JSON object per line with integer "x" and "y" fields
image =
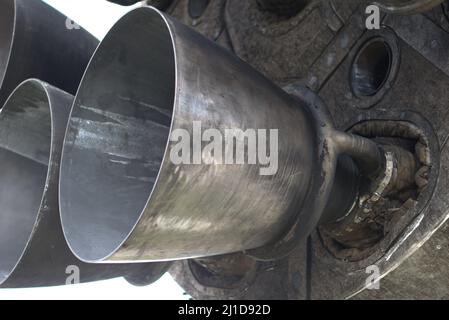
{"x": 36, "y": 41}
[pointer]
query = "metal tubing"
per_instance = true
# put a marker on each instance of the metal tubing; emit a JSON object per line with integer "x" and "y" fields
{"x": 345, "y": 191}
{"x": 368, "y": 156}
{"x": 33, "y": 251}
{"x": 36, "y": 41}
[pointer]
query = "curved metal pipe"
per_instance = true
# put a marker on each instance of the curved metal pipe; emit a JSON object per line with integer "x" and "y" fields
{"x": 36, "y": 41}
{"x": 33, "y": 251}
{"x": 368, "y": 156}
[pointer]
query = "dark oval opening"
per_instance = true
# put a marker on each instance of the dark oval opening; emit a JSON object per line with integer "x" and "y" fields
{"x": 226, "y": 272}
{"x": 197, "y": 8}
{"x": 371, "y": 68}
{"x": 283, "y": 8}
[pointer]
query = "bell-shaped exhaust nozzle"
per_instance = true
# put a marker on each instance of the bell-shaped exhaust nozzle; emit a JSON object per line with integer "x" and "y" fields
{"x": 33, "y": 251}
{"x": 36, "y": 41}
{"x": 178, "y": 149}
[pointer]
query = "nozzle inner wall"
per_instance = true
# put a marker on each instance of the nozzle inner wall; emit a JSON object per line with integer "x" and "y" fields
{"x": 6, "y": 35}
{"x": 117, "y": 135}
{"x": 25, "y": 142}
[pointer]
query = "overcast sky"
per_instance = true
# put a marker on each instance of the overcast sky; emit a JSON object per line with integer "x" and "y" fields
{"x": 97, "y": 16}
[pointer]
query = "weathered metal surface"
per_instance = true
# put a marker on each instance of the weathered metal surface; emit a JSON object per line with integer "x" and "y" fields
{"x": 36, "y": 41}
{"x": 331, "y": 33}
{"x": 151, "y": 208}
{"x": 33, "y": 251}
{"x": 424, "y": 94}
{"x": 408, "y": 92}
{"x": 423, "y": 275}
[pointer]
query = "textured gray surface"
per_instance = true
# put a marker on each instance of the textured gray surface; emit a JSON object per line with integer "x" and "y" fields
{"x": 315, "y": 47}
